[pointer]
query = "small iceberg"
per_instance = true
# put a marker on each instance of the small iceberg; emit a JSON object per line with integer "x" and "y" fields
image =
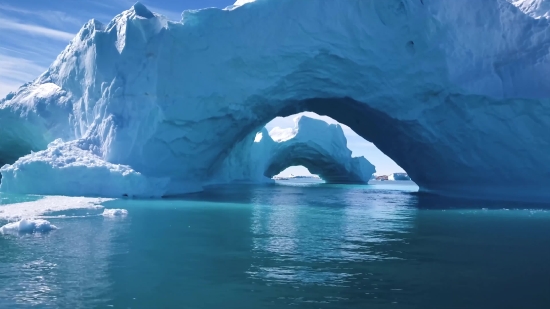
{"x": 115, "y": 213}
{"x": 27, "y": 226}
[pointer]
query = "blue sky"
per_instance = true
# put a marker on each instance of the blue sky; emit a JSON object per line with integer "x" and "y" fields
{"x": 34, "y": 32}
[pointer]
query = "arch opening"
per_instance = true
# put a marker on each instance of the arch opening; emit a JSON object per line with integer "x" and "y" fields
{"x": 386, "y": 168}
{"x": 389, "y": 136}
{"x": 318, "y": 143}
{"x": 298, "y": 172}
{"x": 317, "y": 162}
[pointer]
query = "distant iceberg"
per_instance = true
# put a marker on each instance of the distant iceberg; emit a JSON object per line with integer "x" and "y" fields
{"x": 313, "y": 143}
{"x": 398, "y": 176}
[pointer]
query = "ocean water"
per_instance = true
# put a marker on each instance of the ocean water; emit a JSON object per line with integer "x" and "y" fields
{"x": 290, "y": 245}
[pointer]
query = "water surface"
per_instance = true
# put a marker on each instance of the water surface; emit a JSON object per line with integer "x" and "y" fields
{"x": 286, "y": 245}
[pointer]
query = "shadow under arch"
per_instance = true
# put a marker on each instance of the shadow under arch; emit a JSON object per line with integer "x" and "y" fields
{"x": 18, "y": 138}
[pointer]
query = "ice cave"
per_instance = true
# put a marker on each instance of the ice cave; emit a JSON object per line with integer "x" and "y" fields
{"x": 163, "y": 104}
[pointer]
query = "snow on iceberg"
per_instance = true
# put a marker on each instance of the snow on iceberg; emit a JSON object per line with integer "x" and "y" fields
{"x": 533, "y": 8}
{"x": 438, "y": 86}
{"x": 67, "y": 168}
{"x": 27, "y": 226}
{"x": 313, "y": 143}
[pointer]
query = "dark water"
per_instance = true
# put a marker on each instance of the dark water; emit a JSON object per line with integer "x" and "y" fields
{"x": 300, "y": 246}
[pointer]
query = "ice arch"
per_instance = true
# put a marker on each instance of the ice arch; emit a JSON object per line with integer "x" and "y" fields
{"x": 319, "y": 163}
{"x": 321, "y": 148}
{"x": 313, "y": 143}
{"x": 436, "y": 85}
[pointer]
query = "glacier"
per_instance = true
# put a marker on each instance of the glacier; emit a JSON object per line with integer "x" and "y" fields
{"x": 312, "y": 143}
{"x": 455, "y": 92}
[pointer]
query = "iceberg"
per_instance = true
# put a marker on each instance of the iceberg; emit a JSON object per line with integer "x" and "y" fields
{"x": 112, "y": 213}
{"x": 398, "y": 176}
{"x": 313, "y": 143}
{"x": 455, "y": 92}
{"x": 27, "y": 226}
{"x": 68, "y": 169}
{"x": 71, "y": 168}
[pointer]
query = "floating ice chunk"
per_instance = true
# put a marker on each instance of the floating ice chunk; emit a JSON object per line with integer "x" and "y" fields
{"x": 115, "y": 212}
{"x": 48, "y": 204}
{"x": 27, "y": 226}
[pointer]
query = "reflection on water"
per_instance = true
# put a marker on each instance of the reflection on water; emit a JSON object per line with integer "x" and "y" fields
{"x": 315, "y": 238}
{"x": 68, "y": 267}
{"x": 289, "y": 230}
{"x": 276, "y": 246}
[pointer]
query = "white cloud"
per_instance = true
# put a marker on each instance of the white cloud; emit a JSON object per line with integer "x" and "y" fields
{"x": 6, "y": 86}
{"x": 15, "y": 72}
{"x": 56, "y": 18}
{"x": 35, "y": 30}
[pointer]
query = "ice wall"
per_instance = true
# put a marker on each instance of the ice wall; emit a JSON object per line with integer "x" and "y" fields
{"x": 455, "y": 92}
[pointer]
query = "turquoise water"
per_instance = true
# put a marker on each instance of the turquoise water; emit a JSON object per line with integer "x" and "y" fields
{"x": 293, "y": 245}
{"x": 13, "y": 198}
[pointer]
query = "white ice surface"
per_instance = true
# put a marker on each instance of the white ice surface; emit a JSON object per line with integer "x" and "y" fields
{"x": 29, "y": 217}
{"x": 115, "y": 212}
{"x": 27, "y": 226}
{"x": 48, "y": 204}
{"x": 241, "y": 2}
{"x": 533, "y": 8}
